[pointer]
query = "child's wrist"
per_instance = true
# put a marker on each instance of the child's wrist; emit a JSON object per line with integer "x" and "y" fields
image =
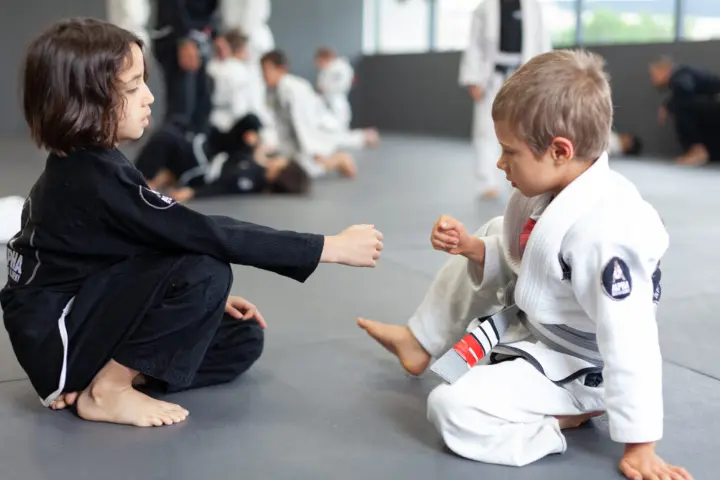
{"x": 475, "y": 250}
{"x": 330, "y": 250}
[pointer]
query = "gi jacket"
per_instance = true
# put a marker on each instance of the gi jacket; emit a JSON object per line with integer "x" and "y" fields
{"x": 90, "y": 222}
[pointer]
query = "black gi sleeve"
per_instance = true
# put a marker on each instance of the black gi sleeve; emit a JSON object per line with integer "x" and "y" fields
{"x": 154, "y": 220}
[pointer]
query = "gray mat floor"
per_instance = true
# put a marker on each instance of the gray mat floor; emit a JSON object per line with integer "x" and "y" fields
{"x": 324, "y": 402}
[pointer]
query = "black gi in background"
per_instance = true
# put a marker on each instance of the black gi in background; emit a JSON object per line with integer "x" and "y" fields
{"x": 186, "y": 29}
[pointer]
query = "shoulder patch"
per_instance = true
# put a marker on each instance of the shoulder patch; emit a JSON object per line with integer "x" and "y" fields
{"x": 616, "y": 280}
{"x": 156, "y": 199}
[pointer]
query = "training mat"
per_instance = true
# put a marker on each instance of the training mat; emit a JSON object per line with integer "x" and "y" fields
{"x": 326, "y": 402}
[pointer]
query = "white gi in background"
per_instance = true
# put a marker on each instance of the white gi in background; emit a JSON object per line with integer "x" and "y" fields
{"x": 10, "y": 216}
{"x": 479, "y": 66}
{"x": 334, "y": 83}
{"x": 589, "y": 280}
{"x": 132, "y": 15}
{"x": 251, "y": 17}
{"x": 298, "y": 118}
{"x": 233, "y": 97}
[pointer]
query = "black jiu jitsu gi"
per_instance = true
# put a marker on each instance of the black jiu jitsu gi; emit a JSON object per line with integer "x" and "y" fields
{"x": 105, "y": 268}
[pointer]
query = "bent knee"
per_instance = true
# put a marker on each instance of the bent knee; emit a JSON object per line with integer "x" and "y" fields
{"x": 443, "y": 406}
{"x": 210, "y": 267}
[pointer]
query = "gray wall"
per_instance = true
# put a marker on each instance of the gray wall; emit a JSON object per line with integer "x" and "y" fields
{"x": 301, "y": 26}
{"x": 419, "y": 94}
{"x": 17, "y": 29}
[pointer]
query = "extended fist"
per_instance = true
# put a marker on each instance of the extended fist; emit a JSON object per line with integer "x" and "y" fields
{"x": 357, "y": 246}
{"x": 449, "y": 235}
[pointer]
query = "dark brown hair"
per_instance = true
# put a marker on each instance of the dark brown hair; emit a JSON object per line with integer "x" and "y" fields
{"x": 293, "y": 180}
{"x": 71, "y": 96}
{"x": 235, "y": 39}
{"x": 275, "y": 57}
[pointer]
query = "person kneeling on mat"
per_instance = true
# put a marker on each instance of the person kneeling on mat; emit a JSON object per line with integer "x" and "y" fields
{"x": 565, "y": 285}
{"x": 112, "y": 285}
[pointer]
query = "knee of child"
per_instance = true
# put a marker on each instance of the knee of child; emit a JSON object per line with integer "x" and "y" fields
{"x": 444, "y": 404}
{"x": 256, "y": 341}
{"x": 220, "y": 272}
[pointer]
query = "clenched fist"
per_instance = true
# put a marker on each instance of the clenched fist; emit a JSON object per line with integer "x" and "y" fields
{"x": 356, "y": 246}
{"x": 449, "y": 235}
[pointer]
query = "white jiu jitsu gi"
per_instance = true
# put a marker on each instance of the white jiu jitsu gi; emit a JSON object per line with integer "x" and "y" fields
{"x": 251, "y": 18}
{"x": 298, "y": 118}
{"x": 132, "y": 15}
{"x": 10, "y": 214}
{"x": 589, "y": 282}
{"x": 334, "y": 83}
{"x": 478, "y": 67}
{"x": 232, "y": 93}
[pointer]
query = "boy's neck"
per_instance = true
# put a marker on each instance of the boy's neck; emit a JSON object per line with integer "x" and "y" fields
{"x": 574, "y": 170}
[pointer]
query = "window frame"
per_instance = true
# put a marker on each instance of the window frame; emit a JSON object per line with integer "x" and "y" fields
{"x": 373, "y": 14}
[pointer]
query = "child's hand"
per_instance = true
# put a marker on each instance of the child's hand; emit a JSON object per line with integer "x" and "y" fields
{"x": 241, "y": 309}
{"x": 640, "y": 462}
{"x": 449, "y": 235}
{"x": 356, "y": 246}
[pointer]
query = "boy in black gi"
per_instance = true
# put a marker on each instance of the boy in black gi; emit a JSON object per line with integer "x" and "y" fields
{"x": 112, "y": 284}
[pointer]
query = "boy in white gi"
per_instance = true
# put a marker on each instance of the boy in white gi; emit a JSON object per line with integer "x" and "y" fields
{"x": 578, "y": 253}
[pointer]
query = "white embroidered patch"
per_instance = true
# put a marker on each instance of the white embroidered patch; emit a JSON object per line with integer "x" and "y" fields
{"x": 156, "y": 199}
{"x": 14, "y": 264}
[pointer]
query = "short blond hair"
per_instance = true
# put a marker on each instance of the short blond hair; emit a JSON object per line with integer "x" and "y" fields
{"x": 562, "y": 93}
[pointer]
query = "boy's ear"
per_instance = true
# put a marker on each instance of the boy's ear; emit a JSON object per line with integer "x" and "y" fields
{"x": 562, "y": 150}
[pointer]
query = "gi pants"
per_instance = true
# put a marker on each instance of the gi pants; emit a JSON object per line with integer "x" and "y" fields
{"x": 188, "y": 95}
{"x": 501, "y": 413}
{"x": 169, "y": 148}
{"x": 485, "y": 142}
{"x": 697, "y": 120}
{"x": 164, "y": 317}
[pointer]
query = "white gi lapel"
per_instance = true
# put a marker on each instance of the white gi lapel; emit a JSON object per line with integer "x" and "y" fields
{"x": 543, "y": 246}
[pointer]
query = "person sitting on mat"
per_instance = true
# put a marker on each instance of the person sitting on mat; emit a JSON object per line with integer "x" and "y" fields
{"x": 112, "y": 285}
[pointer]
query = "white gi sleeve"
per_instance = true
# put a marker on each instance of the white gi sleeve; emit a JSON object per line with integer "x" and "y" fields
{"x": 337, "y": 78}
{"x": 495, "y": 272}
{"x": 613, "y": 280}
{"x": 304, "y": 106}
{"x": 474, "y": 67}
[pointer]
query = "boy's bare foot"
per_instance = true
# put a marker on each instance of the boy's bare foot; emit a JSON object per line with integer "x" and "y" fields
{"x": 64, "y": 400}
{"x": 399, "y": 341}
{"x": 574, "y": 421}
{"x": 111, "y": 398}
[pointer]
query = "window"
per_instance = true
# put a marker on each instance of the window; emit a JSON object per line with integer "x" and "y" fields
{"x": 560, "y": 18}
{"x": 701, "y": 19}
{"x": 452, "y": 23}
{"x": 627, "y": 21}
{"x": 403, "y": 26}
{"x": 417, "y": 26}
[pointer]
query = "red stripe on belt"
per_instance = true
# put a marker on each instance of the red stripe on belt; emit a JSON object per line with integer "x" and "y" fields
{"x": 470, "y": 350}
